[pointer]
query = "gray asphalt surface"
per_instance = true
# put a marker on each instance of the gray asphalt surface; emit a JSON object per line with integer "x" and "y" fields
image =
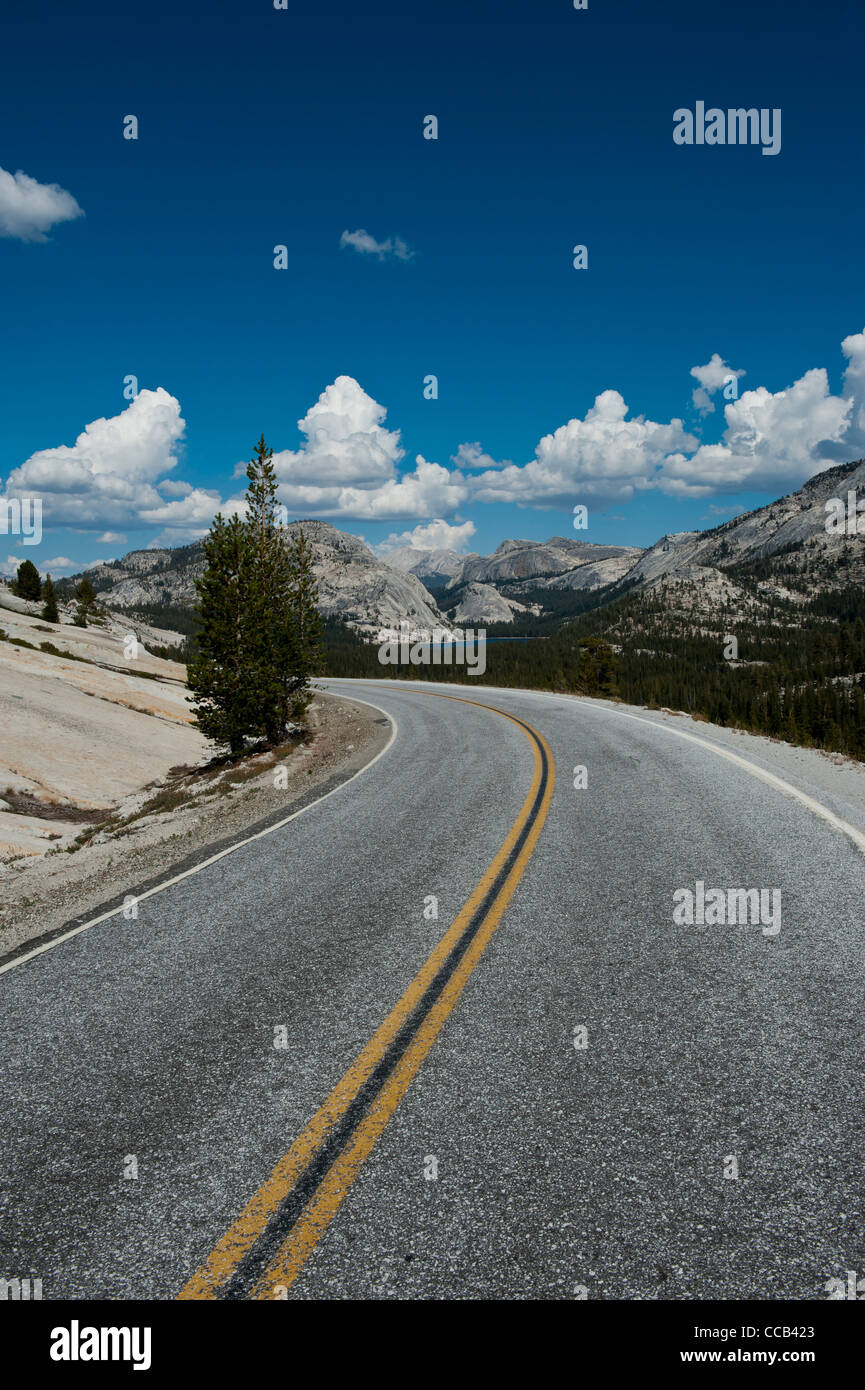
{"x": 559, "y": 1170}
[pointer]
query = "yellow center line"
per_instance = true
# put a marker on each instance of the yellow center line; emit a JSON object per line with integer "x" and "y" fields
{"x": 324, "y": 1204}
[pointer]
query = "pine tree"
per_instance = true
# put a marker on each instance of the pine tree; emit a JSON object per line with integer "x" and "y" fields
{"x": 49, "y": 602}
{"x": 596, "y": 670}
{"x": 303, "y": 647}
{"x": 27, "y": 583}
{"x": 219, "y": 676}
{"x": 86, "y": 596}
{"x": 270, "y": 629}
{"x": 260, "y": 632}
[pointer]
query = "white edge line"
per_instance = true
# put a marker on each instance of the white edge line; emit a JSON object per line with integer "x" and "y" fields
{"x": 762, "y": 774}
{"x": 816, "y": 807}
{"x": 205, "y": 863}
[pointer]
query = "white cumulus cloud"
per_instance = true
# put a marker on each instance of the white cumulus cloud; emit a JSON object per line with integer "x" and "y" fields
{"x": 348, "y": 464}
{"x": 603, "y": 456}
{"x": 120, "y": 472}
{"x": 60, "y": 562}
{"x": 712, "y": 376}
{"x": 28, "y": 209}
{"x": 111, "y": 475}
{"x": 772, "y": 440}
{"x": 853, "y": 348}
{"x": 472, "y": 456}
{"x": 430, "y": 490}
{"x": 346, "y": 442}
{"x": 435, "y": 535}
{"x": 366, "y": 245}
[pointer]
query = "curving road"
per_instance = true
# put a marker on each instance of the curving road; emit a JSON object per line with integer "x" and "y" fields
{"x": 574, "y": 1096}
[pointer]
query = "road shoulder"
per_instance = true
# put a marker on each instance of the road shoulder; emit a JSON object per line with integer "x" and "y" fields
{"x": 44, "y": 899}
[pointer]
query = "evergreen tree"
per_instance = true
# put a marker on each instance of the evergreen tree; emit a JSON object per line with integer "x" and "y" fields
{"x": 270, "y": 629}
{"x": 86, "y": 596}
{"x": 303, "y": 634}
{"x": 219, "y": 676}
{"x": 596, "y": 670}
{"x": 27, "y": 583}
{"x": 259, "y": 641}
{"x": 49, "y": 602}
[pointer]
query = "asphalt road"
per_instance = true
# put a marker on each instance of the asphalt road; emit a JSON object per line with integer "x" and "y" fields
{"x": 195, "y": 1044}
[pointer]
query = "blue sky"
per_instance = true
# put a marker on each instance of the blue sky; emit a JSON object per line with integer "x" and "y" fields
{"x": 261, "y": 127}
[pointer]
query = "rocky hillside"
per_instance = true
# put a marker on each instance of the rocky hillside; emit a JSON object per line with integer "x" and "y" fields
{"x": 782, "y": 553}
{"x": 481, "y": 603}
{"x": 559, "y": 560}
{"x": 435, "y": 566}
{"x": 512, "y": 581}
{"x": 353, "y": 584}
{"x": 88, "y": 718}
{"x": 150, "y": 578}
{"x": 793, "y": 523}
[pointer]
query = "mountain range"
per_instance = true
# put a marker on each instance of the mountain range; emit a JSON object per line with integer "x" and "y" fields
{"x": 784, "y": 549}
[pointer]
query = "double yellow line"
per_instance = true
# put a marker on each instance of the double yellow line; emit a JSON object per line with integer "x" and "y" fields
{"x": 266, "y": 1248}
